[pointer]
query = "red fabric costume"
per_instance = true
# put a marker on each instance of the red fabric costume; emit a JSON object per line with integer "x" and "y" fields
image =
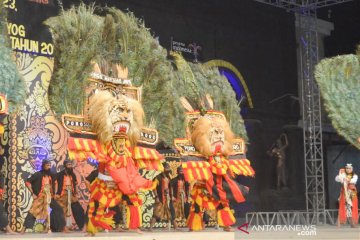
{"x": 215, "y": 187}
{"x": 120, "y": 170}
{"x": 350, "y": 181}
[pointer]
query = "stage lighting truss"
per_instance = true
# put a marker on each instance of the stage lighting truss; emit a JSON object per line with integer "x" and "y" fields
{"x": 296, "y": 5}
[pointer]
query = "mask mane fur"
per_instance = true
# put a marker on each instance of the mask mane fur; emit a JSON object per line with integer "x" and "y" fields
{"x": 101, "y": 103}
{"x": 200, "y": 135}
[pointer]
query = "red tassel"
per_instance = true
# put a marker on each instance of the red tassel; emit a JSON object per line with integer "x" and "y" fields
{"x": 102, "y": 225}
{"x": 135, "y": 218}
{"x": 109, "y": 214}
{"x": 195, "y": 222}
{"x": 99, "y": 224}
{"x": 238, "y": 196}
{"x": 225, "y": 217}
{"x": 342, "y": 210}
{"x": 355, "y": 211}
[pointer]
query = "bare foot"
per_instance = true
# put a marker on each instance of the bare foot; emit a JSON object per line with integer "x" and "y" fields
{"x": 10, "y": 231}
{"x": 228, "y": 229}
{"x": 119, "y": 229}
{"x": 138, "y": 231}
{"x": 89, "y": 234}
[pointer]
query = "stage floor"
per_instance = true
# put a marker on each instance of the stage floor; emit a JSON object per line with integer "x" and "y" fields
{"x": 156, "y": 235}
{"x": 322, "y": 232}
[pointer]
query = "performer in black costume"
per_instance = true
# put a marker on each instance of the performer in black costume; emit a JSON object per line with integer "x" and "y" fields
{"x": 66, "y": 190}
{"x": 164, "y": 208}
{"x": 180, "y": 195}
{"x": 41, "y": 186}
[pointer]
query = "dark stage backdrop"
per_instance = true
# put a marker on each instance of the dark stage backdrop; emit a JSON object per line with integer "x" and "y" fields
{"x": 258, "y": 40}
{"x": 346, "y": 34}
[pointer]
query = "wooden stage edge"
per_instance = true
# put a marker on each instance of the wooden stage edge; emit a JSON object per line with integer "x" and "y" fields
{"x": 156, "y": 235}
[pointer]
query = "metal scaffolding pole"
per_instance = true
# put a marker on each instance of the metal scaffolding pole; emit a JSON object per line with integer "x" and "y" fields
{"x": 311, "y": 104}
{"x": 311, "y": 116}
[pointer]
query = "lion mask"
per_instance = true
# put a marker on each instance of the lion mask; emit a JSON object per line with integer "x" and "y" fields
{"x": 111, "y": 115}
{"x": 212, "y": 136}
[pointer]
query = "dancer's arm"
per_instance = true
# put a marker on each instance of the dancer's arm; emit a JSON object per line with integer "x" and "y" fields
{"x": 28, "y": 185}
{"x": 354, "y": 179}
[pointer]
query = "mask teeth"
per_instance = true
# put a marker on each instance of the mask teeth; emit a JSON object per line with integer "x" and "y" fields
{"x": 122, "y": 127}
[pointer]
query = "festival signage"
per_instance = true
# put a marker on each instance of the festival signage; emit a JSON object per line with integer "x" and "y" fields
{"x": 190, "y": 50}
{"x": 24, "y": 25}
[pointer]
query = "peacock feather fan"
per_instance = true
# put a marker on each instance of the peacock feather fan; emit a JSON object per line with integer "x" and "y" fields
{"x": 11, "y": 82}
{"x": 77, "y": 37}
{"x": 223, "y": 95}
{"x": 148, "y": 67}
{"x": 80, "y": 36}
{"x": 339, "y": 83}
{"x": 195, "y": 81}
{"x": 187, "y": 83}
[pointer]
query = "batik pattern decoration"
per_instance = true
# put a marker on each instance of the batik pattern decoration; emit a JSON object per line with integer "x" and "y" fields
{"x": 31, "y": 134}
{"x": 4, "y": 153}
{"x": 34, "y": 134}
{"x": 212, "y": 158}
{"x": 3, "y": 138}
{"x": 13, "y": 92}
{"x": 110, "y": 131}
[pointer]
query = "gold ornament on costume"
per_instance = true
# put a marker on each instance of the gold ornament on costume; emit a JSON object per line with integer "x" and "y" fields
{"x": 3, "y": 104}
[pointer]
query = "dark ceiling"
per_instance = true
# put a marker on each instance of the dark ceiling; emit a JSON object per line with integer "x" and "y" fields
{"x": 346, "y": 16}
